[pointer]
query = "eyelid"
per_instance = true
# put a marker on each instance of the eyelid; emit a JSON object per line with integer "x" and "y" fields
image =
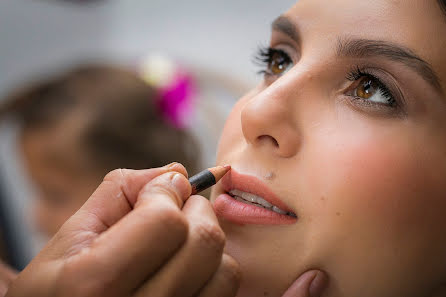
{"x": 286, "y": 52}
{"x": 280, "y": 38}
{"x": 285, "y": 43}
{"x": 289, "y": 51}
{"x": 388, "y": 80}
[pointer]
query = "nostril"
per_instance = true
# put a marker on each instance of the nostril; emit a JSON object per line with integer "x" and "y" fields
{"x": 268, "y": 138}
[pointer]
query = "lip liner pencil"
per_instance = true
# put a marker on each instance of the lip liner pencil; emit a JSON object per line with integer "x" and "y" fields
{"x": 207, "y": 178}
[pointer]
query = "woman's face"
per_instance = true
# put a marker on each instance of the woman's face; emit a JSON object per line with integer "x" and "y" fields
{"x": 347, "y": 131}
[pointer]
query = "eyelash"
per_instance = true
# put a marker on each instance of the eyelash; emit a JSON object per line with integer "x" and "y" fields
{"x": 356, "y": 74}
{"x": 264, "y": 57}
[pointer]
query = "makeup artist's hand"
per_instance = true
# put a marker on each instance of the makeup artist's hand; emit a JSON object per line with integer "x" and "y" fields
{"x": 7, "y": 275}
{"x": 135, "y": 236}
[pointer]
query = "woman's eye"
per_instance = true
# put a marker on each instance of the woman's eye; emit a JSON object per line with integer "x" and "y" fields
{"x": 274, "y": 62}
{"x": 370, "y": 89}
{"x": 279, "y": 63}
{"x": 367, "y": 88}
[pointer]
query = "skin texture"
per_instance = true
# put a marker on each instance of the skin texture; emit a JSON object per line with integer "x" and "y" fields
{"x": 366, "y": 182}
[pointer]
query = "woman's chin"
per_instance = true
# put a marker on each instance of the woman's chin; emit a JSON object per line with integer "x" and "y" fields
{"x": 257, "y": 288}
{"x": 249, "y": 291}
{"x": 259, "y": 277}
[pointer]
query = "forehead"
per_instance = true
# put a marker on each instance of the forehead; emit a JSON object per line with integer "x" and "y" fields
{"x": 419, "y": 25}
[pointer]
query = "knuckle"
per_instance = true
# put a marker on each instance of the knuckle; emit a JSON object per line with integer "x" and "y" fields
{"x": 114, "y": 175}
{"x": 161, "y": 190}
{"x": 231, "y": 269}
{"x": 173, "y": 220}
{"x": 73, "y": 282}
{"x": 118, "y": 175}
{"x": 210, "y": 235}
{"x": 176, "y": 166}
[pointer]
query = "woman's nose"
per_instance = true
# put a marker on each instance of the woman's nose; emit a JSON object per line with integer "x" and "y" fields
{"x": 268, "y": 123}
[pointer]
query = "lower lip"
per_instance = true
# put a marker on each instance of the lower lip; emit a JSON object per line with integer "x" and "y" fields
{"x": 238, "y": 212}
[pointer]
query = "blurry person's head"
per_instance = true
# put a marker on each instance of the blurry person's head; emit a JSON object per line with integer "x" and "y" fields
{"x": 78, "y": 126}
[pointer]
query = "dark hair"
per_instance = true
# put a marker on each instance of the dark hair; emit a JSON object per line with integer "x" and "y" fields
{"x": 442, "y": 5}
{"x": 123, "y": 126}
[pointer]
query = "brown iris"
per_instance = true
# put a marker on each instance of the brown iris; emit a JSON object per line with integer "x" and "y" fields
{"x": 367, "y": 87}
{"x": 279, "y": 63}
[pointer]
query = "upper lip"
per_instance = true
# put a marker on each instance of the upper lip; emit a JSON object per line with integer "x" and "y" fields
{"x": 251, "y": 184}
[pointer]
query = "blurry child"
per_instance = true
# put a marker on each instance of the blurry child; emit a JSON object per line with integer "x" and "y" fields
{"x": 80, "y": 125}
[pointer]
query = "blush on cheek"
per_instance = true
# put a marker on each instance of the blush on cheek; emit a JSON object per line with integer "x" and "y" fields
{"x": 381, "y": 180}
{"x": 381, "y": 211}
{"x": 369, "y": 175}
{"x": 386, "y": 186}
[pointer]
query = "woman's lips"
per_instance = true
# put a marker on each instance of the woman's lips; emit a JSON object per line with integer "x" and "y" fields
{"x": 228, "y": 206}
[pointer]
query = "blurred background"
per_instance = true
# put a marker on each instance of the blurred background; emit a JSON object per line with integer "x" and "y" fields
{"x": 192, "y": 58}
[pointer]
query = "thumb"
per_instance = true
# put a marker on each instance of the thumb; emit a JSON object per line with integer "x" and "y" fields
{"x": 310, "y": 284}
{"x": 114, "y": 199}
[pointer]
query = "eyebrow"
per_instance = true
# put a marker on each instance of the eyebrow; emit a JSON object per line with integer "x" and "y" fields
{"x": 284, "y": 25}
{"x": 366, "y": 48}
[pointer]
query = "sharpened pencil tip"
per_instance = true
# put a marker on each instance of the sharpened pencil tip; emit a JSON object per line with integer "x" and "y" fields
{"x": 208, "y": 178}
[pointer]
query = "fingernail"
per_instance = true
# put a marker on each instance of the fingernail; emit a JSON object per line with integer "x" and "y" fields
{"x": 318, "y": 284}
{"x": 169, "y": 166}
{"x": 177, "y": 180}
{"x": 181, "y": 185}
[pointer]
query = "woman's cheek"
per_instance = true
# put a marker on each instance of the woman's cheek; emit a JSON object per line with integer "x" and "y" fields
{"x": 379, "y": 213}
{"x": 380, "y": 179}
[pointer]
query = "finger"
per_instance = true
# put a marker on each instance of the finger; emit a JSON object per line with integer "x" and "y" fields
{"x": 310, "y": 284}
{"x": 225, "y": 282}
{"x": 137, "y": 245}
{"x": 118, "y": 194}
{"x": 113, "y": 199}
{"x": 188, "y": 271}
{"x": 7, "y": 275}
